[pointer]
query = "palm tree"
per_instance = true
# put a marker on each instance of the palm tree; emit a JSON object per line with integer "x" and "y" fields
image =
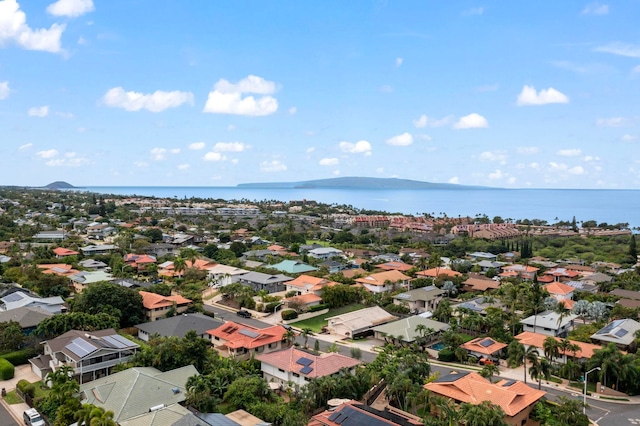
{"x": 539, "y": 370}
{"x": 289, "y": 336}
{"x": 551, "y": 348}
{"x": 488, "y": 371}
{"x": 483, "y": 414}
{"x": 190, "y": 254}
{"x": 515, "y": 354}
{"x": 305, "y": 333}
{"x": 179, "y": 265}
{"x": 607, "y": 359}
{"x": 531, "y": 356}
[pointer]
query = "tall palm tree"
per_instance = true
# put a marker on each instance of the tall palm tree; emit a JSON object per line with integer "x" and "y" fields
{"x": 531, "y": 356}
{"x": 179, "y": 265}
{"x": 515, "y": 354}
{"x": 190, "y": 254}
{"x": 539, "y": 370}
{"x": 305, "y": 333}
{"x": 551, "y": 348}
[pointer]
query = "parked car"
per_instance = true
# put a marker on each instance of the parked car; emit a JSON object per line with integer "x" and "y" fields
{"x": 485, "y": 361}
{"x": 32, "y": 418}
{"x": 243, "y": 314}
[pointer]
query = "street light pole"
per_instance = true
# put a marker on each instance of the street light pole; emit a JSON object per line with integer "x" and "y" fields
{"x": 584, "y": 397}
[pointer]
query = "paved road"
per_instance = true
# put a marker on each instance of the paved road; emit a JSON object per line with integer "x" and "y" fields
{"x": 5, "y": 417}
{"x": 225, "y": 315}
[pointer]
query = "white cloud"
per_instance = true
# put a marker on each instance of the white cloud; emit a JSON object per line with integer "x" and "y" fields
{"x": 499, "y": 156}
{"x": 214, "y": 156}
{"x": 629, "y": 138}
{"x": 399, "y": 61}
{"x": 158, "y": 153}
{"x": 70, "y": 8}
{"x": 422, "y": 137}
{"x": 25, "y": 146}
{"x": 141, "y": 164}
{"x": 558, "y": 167}
{"x": 154, "y": 102}
{"x": 65, "y": 114}
{"x": 82, "y": 41}
{"x": 528, "y": 150}
{"x": 70, "y": 159}
{"x": 471, "y": 121}
{"x": 595, "y": 8}
{"x": 613, "y": 122}
{"x": 226, "y": 98}
{"x": 311, "y": 149}
{"x": 14, "y": 28}
{"x": 42, "y": 111}
{"x": 534, "y": 166}
{"x": 196, "y": 146}
{"x": 360, "y": 147}
{"x": 528, "y": 96}
{"x": 380, "y": 170}
{"x": 404, "y": 139}
{"x": 175, "y": 151}
{"x": 4, "y": 89}
{"x": 230, "y": 147}
{"x": 577, "y": 170}
{"x": 620, "y": 49}
{"x": 425, "y": 121}
{"x": 569, "y": 152}
{"x": 474, "y": 11}
{"x": 336, "y": 172}
{"x": 329, "y": 162}
{"x": 184, "y": 166}
{"x": 272, "y": 166}
{"x": 590, "y": 158}
{"x": 454, "y": 180}
{"x": 293, "y": 110}
{"x": 498, "y": 174}
{"x": 50, "y": 153}
{"x": 234, "y": 161}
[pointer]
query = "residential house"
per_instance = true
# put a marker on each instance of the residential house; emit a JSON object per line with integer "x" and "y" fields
{"x": 293, "y": 367}
{"x": 583, "y": 353}
{"x": 484, "y": 347}
{"x": 304, "y": 284}
{"x": 628, "y": 298}
{"x": 93, "y": 264}
{"x": 382, "y": 282}
{"x": 144, "y": 396}
{"x": 244, "y": 341}
{"x": 178, "y": 326}
{"x": 479, "y": 283}
{"x": 61, "y": 269}
{"x": 596, "y": 279}
{"x": 525, "y": 272}
{"x": 91, "y": 355}
{"x": 563, "y": 293}
{"x": 480, "y": 255}
{"x": 358, "y": 323}
{"x": 99, "y": 231}
{"x": 438, "y": 272}
{"x": 479, "y": 305}
{"x": 157, "y": 306}
{"x": 131, "y": 283}
{"x": 561, "y": 274}
{"x": 351, "y": 413}
{"x": 302, "y": 302}
{"x": 293, "y": 267}
{"x": 325, "y": 253}
{"x": 261, "y": 255}
{"x": 20, "y": 299}
{"x": 94, "y": 250}
{"x": 221, "y": 275}
{"x": 419, "y": 300}
{"x": 549, "y": 323}
{"x": 58, "y": 235}
{"x": 333, "y": 266}
{"x": 485, "y": 265}
{"x": 167, "y": 269}
{"x": 621, "y": 332}
{"x": 515, "y": 398}
{"x": 386, "y": 258}
{"x": 406, "y": 330}
{"x": 234, "y": 418}
{"x": 394, "y": 266}
{"x": 26, "y": 316}
{"x": 61, "y": 252}
{"x": 139, "y": 262}
{"x": 261, "y": 281}
{"x": 84, "y": 279}
{"x": 160, "y": 249}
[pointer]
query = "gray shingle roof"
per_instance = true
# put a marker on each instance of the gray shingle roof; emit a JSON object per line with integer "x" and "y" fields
{"x": 407, "y": 327}
{"x": 423, "y": 293}
{"x": 26, "y": 316}
{"x": 178, "y": 326}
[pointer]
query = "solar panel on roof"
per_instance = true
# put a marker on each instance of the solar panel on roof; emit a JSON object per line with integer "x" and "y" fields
{"x": 508, "y": 383}
{"x": 113, "y": 342}
{"x": 123, "y": 340}
{"x": 249, "y": 333}
{"x": 334, "y": 416}
{"x": 607, "y": 329}
{"x": 306, "y": 370}
{"x": 622, "y": 332}
{"x": 81, "y": 347}
{"x": 13, "y": 297}
{"x": 486, "y": 343}
{"x": 304, "y": 361}
{"x": 403, "y": 296}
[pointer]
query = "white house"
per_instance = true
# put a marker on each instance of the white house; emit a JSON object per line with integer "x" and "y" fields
{"x": 549, "y": 323}
{"x": 325, "y": 253}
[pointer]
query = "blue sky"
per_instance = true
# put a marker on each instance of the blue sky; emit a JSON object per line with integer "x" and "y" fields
{"x": 166, "y": 92}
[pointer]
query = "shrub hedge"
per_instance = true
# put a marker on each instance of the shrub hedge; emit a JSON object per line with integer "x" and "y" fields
{"x": 316, "y": 308}
{"x": 289, "y": 314}
{"x": 6, "y": 369}
{"x": 20, "y": 357}
{"x": 446, "y": 355}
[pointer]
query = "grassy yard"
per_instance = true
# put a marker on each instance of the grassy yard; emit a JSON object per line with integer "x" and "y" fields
{"x": 12, "y": 398}
{"x": 316, "y": 323}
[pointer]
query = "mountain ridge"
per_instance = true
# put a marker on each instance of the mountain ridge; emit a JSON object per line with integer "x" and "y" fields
{"x": 362, "y": 183}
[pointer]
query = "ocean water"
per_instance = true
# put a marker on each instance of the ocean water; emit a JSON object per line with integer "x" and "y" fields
{"x": 610, "y": 206}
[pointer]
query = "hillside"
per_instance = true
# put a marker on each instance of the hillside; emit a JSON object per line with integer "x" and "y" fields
{"x": 59, "y": 185}
{"x": 360, "y": 182}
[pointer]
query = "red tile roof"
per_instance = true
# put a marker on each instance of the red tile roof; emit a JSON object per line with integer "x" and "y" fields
{"x": 484, "y": 345}
{"x": 536, "y": 339}
{"x": 380, "y": 278}
{"x": 436, "y": 272}
{"x": 154, "y": 301}
{"x": 58, "y": 269}
{"x": 559, "y": 288}
{"x": 241, "y": 336}
{"x": 323, "y": 365}
{"x": 314, "y": 283}
{"x": 304, "y": 299}
{"x": 61, "y": 251}
{"x": 475, "y": 389}
{"x": 395, "y": 266}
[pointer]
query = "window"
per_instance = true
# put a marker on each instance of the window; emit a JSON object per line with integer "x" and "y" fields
{"x": 296, "y": 375}
{"x": 281, "y": 370}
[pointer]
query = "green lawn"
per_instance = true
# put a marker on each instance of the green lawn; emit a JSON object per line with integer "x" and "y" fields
{"x": 13, "y": 398}
{"x": 316, "y": 323}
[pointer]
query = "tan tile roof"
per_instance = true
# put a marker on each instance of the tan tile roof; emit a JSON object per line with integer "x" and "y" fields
{"x": 559, "y": 288}
{"x": 304, "y": 299}
{"x": 323, "y": 365}
{"x": 511, "y": 395}
{"x": 61, "y": 251}
{"x": 58, "y": 269}
{"x": 436, "y": 272}
{"x": 242, "y": 336}
{"x": 304, "y": 281}
{"x": 398, "y": 266}
{"x": 379, "y": 279}
{"x": 479, "y": 284}
{"x": 153, "y": 300}
{"x": 536, "y": 339}
{"x": 484, "y": 345}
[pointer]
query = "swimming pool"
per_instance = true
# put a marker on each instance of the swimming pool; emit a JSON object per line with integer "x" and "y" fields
{"x": 437, "y": 346}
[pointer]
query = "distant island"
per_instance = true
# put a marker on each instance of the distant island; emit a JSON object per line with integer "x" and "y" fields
{"x": 362, "y": 183}
{"x": 59, "y": 185}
